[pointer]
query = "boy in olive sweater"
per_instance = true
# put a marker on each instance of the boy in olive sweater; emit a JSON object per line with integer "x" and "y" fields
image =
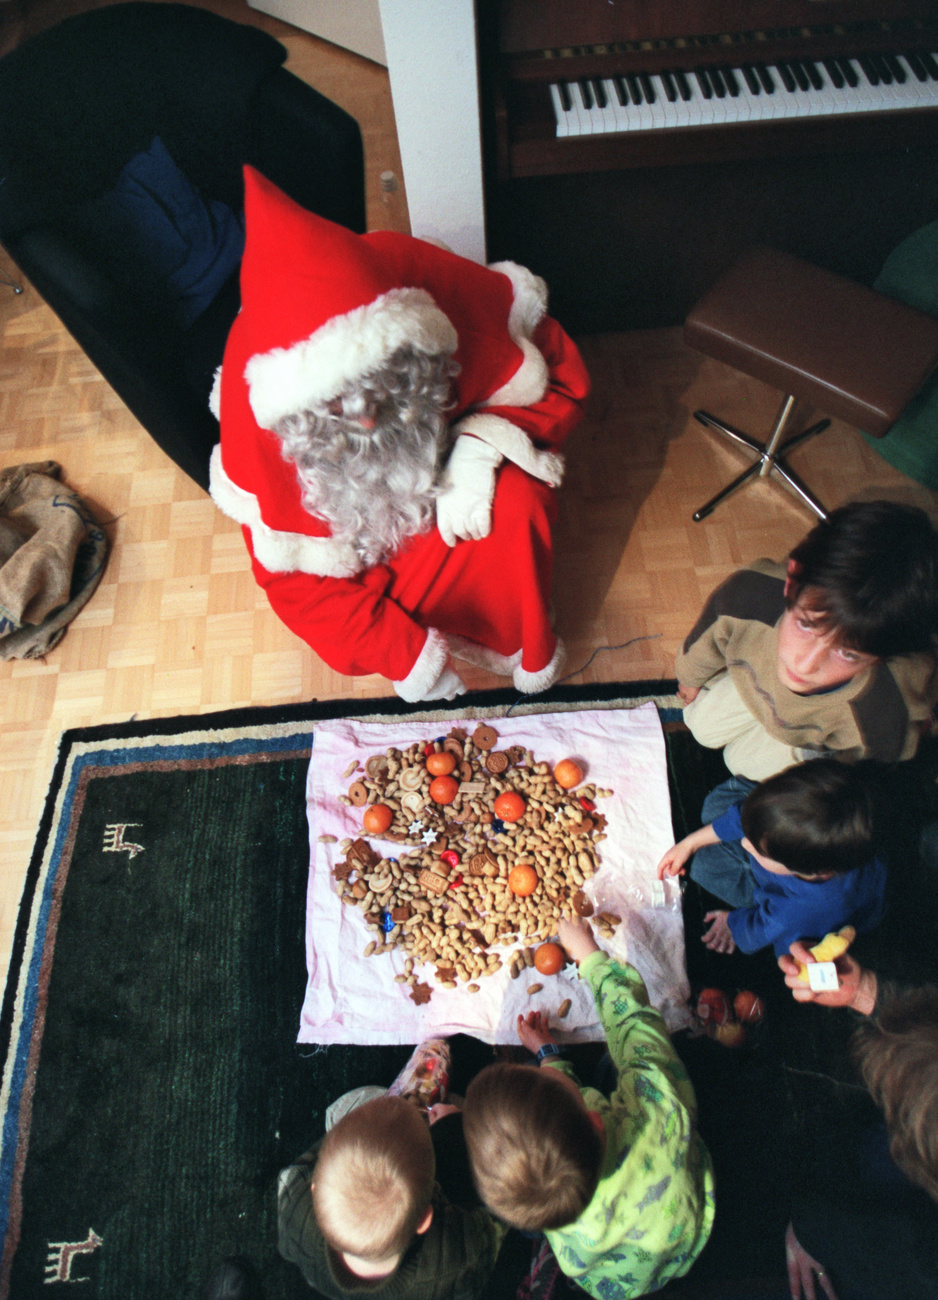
{"x": 833, "y": 653}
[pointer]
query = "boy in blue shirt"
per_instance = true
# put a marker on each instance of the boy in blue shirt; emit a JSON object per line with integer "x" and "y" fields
{"x": 793, "y": 857}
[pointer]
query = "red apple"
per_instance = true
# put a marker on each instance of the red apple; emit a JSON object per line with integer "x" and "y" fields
{"x": 749, "y": 1007}
{"x": 713, "y": 1007}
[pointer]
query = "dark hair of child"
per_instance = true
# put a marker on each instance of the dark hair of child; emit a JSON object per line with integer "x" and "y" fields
{"x": 870, "y": 570}
{"x": 813, "y": 818}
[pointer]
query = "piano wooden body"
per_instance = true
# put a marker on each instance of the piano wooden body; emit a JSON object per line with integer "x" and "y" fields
{"x": 631, "y": 219}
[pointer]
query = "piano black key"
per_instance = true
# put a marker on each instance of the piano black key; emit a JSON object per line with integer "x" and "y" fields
{"x": 765, "y": 77}
{"x": 814, "y": 75}
{"x": 896, "y": 68}
{"x": 703, "y": 82}
{"x": 785, "y": 72}
{"x": 832, "y": 68}
{"x": 732, "y": 85}
{"x": 683, "y": 85}
{"x": 799, "y": 74}
{"x": 635, "y": 89}
{"x": 565, "y": 99}
{"x": 850, "y": 74}
{"x": 586, "y": 92}
{"x": 869, "y": 69}
{"x": 882, "y": 67}
{"x": 599, "y": 92}
{"x": 931, "y": 67}
{"x": 717, "y": 82}
{"x": 914, "y": 61}
{"x": 670, "y": 89}
{"x": 752, "y": 81}
{"x": 648, "y": 88}
{"x": 622, "y": 93}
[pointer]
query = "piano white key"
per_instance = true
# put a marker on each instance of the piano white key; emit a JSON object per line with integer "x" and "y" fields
{"x": 567, "y": 123}
{"x": 620, "y": 112}
{"x": 607, "y": 112}
{"x": 658, "y": 115}
{"x": 682, "y": 112}
{"x": 582, "y": 112}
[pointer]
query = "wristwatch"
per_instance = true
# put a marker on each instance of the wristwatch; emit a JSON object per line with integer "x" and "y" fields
{"x": 549, "y": 1049}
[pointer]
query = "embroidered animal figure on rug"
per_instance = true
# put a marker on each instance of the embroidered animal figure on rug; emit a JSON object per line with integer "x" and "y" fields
{"x": 62, "y": 1255}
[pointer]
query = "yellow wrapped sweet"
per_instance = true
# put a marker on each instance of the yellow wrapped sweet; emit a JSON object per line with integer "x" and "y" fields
{"x": 831, "y": 946}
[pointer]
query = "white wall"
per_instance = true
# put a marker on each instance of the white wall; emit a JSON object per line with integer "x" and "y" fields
{"x": 432, "y": 62}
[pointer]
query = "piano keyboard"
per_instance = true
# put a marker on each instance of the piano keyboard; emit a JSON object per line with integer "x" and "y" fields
{"x": 752, "y": 92}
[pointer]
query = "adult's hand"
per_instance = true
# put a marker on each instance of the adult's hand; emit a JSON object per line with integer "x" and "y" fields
{"x": 857, "y": 988}
{"x": 803, "y": 1270}
{"x": 464, "y": 509}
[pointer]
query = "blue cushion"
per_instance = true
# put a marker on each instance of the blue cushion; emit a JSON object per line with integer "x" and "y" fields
{"x": 156, "y": 232}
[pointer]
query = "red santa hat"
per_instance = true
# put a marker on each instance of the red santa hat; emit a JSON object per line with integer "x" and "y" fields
{"x": 323, "y": 308}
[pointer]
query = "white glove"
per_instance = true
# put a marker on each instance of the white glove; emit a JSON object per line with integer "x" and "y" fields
{"x": 465, "y": 508}
{"x": 447, "y": 686}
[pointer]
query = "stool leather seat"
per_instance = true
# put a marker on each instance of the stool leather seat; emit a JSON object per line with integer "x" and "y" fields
{"x": 836, "y": 345}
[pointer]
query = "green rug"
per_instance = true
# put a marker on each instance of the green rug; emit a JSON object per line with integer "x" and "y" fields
{"x": 153, "y": 1087}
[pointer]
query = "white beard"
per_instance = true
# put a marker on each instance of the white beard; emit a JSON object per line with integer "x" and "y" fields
{"x": 375, "y": 487}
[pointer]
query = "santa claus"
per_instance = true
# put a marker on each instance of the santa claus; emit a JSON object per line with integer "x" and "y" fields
{"x": 390, "y": 418}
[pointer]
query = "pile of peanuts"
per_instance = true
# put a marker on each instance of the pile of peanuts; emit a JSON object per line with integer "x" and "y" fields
{"x": 445, "y": 899}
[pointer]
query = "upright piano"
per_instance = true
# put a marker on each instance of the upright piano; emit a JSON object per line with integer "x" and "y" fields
{"x": 634, "y": 147}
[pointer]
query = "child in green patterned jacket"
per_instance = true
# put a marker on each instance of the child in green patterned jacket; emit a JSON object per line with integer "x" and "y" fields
{"x": 621, "y": 1186}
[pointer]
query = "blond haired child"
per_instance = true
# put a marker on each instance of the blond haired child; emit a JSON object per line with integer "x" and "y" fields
{"x": 621, "y": 1186}
{"x": 362, "y": 1212}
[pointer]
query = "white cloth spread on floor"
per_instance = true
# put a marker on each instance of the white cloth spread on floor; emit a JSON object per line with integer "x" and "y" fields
{"x": 354, "y": 999}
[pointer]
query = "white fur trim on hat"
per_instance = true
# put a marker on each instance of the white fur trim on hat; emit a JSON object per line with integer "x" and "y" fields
{"x": 426, "y": 671}
{"x": 279, "y": 552}
{"x": 214, "y": 397}
{"x": 533, "y": 683}
{"x": 515, "y": 445}
{"x": 286, "y": 381}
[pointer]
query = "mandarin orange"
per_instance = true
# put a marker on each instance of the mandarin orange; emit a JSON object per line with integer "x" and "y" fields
{"x": 567, "y": 774}
{"x": 377, "y": 818}
{"x": 549, "y": 958}
{"x": 509, "y": 806}
{"x": 522, "y": 879}
{"x": 441, "y": 763}
{"x": 443, "y": 789}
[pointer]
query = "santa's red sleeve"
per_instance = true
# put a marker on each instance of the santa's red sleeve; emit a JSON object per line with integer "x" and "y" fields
{"x": 355, "y": 627}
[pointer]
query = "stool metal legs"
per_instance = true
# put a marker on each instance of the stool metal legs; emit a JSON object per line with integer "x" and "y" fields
{"x": 5, "y": 279}
{"x": 769, "y": 457}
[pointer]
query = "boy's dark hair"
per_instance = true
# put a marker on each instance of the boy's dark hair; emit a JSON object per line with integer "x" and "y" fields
{"x": 536, "y": 1157}
{"x": 871, "y": 570}
{"x": 813, "y": 818}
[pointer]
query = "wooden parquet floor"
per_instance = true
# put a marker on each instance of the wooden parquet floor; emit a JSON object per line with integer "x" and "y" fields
{"x": 178, "y": 625}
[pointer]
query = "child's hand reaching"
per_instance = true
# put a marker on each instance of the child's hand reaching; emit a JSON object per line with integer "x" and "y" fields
{"x": 534, "y": 1032}
{"x": 719, "y": 937}
{"x": 675, "y": 860}
{"x": 576, "y": 938}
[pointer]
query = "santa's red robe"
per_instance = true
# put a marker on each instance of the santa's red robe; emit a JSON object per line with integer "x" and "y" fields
{"x": 299, "y": 339}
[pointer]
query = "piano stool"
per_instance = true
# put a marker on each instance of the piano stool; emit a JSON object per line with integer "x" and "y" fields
{"x": 826, "y": 341}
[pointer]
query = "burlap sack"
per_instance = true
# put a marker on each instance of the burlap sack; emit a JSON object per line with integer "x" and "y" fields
{"x": 52, "y": 556}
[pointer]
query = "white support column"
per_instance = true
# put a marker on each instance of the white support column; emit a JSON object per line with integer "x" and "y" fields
{"x": 432, "y": 62}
